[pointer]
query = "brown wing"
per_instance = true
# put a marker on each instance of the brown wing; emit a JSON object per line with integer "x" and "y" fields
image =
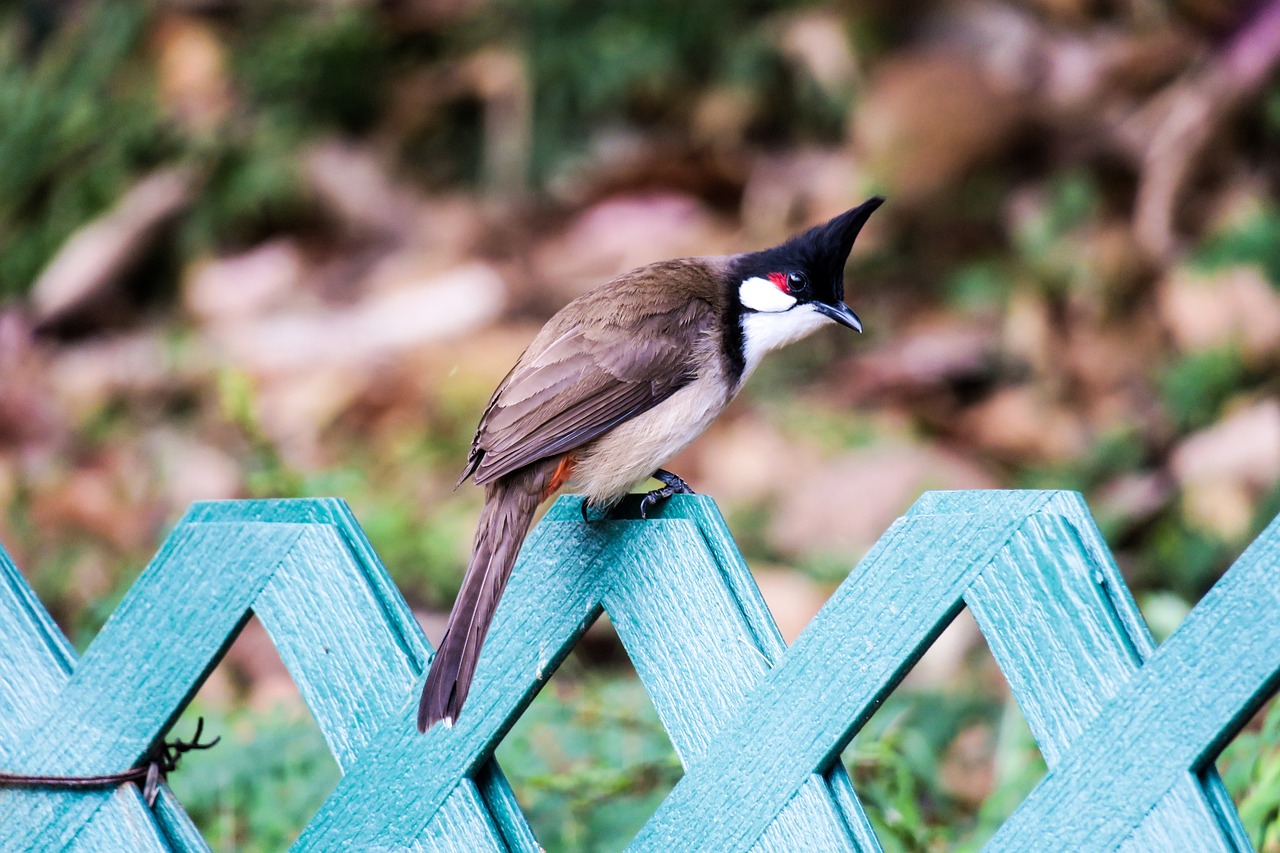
{"x": 578, "y": 380}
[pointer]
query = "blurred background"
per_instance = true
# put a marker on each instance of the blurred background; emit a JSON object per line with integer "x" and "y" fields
{"x": 262, "y": 249}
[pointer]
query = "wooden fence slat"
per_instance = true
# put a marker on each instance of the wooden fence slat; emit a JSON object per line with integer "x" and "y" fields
{"x": 680, "y": 597}
{"x": 1128, "y": 733}
{"x": 806, "y": 713}
{"x": 1198, "y": 688}
{"x": 566, "y": 575}
{"x": 1056, "y": 635}
{"x": 1064, "y": 644}
{"x": 170, "y": 631}
{"x": 35, "y": 664}
{"x": 551, "y": 600}
{"x": 836, "y": 674}
{"x": 698, "y": 652}
{"x": 139, "y": 672}
{"x": 35, "y": 659}
{"x": 355, "y": 649}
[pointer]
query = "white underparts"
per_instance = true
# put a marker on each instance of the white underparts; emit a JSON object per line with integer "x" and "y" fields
{"x": 764, "y": 332}
{"x": 610, "y": 466}
{"x": 760, "y": 294}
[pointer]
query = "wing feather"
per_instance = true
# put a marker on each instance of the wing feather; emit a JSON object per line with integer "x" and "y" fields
{"x": 578, "y": 381}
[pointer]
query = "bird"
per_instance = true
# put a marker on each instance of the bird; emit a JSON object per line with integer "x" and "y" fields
{"x": 615, "y": 384}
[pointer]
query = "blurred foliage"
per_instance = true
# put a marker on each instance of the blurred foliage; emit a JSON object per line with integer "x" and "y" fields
{"x": 83, "y": 118}
{"x": 1255, "y": 240}
{"x": 979, "y": 285}
{"x": 1184, "y": 557}
{"x": 299, "y": 75}
{"x": 1120, "y": 450}
{"x": 313, "y": 72}
{"x": 80, "y": 123}
{"x": 898, "y": 763}
{"x": 1250, "y": 767}
{"x": 618, "y": 64}
{"x": 589, "y": 761}
{"x": 1196, "y": 385}
{"x": 256, "y": 789}
{"x": 1051, "y": 260}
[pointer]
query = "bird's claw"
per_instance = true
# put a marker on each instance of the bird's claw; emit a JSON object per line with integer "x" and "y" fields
{"x": 652, "y": 499}
{"x": 672, "y": 485}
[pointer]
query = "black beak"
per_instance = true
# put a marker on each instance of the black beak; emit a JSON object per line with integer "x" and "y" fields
{"x": 839, "y": 312}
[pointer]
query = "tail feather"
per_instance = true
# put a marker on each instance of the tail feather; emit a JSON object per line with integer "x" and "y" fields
{"x": 504, "y": 522}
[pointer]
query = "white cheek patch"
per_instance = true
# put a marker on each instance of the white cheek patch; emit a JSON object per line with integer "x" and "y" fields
{"x": 760, "y": 294}
{"x": 763, "y": 333}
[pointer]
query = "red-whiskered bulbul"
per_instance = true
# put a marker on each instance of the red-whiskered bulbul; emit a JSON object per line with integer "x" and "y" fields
{"x": 615, "y": 384}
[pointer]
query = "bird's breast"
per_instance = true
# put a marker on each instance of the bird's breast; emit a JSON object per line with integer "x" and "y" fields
{"x": 607, "y": 468}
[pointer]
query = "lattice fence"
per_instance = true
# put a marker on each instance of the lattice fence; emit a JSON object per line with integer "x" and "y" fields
{"x": 1128, "y": 731}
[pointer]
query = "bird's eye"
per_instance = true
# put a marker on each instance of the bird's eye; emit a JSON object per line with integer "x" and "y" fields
{"x": 796, "y": 282}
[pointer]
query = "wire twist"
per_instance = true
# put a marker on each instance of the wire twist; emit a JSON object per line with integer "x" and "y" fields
{"x": 161, "y": 761}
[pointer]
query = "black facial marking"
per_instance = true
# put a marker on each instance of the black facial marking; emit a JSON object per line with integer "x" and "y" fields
{"x": 819, "y": 255}
{"x": 734, "y": 340}
{"x": 813, "y": 262}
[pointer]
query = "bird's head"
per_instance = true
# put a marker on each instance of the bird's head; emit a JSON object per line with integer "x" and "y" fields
{"x": 794, "y": 288}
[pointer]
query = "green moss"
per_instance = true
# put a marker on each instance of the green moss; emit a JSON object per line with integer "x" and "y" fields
{"x": 1256, "y": 240}
{"x": 1195, "y": 386}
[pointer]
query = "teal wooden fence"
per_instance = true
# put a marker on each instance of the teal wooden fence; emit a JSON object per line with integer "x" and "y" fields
{"x": 1129, "y": 731}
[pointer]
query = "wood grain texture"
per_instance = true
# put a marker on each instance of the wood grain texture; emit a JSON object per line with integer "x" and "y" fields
{"x": 885, "y": 614}
{"x": 701, "y": 638}
{"x": 36, "y": 661}
{"x": 295, "y": 561}
{"x": 697, "y": 646}
{"x": 1129, "y": 731}
{"x": 1189, "y": 699}
{"x": 1059, "y": 620}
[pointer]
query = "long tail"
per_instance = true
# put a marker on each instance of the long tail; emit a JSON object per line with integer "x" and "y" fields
{"x": 509, "y": 505}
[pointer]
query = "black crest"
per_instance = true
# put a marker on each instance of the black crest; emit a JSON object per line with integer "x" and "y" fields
{"x": 820, "y": 253}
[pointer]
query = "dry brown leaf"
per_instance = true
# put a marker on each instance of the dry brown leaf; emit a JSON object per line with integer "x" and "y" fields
{"x": 191, "y": 71}
{"x": 1020, "y": 423}
{"x": 844, "y": 506}
{"x": 928, "y": 119}
{"x": 1226, "y": 307}
{"x": 266, "y": 277}
{"x": 82, "y": 277}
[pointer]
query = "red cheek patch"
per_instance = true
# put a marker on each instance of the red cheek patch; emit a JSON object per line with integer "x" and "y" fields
{"x": 779, "y": 280}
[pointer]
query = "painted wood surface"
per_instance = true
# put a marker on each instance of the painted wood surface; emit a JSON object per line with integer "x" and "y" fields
{"x": 675, "y": 588}
{"x": 356, "y": 662}
{"x": 1129, "y": 731}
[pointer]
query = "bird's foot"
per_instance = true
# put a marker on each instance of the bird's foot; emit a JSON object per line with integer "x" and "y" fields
{"x": 672, "y": 485}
